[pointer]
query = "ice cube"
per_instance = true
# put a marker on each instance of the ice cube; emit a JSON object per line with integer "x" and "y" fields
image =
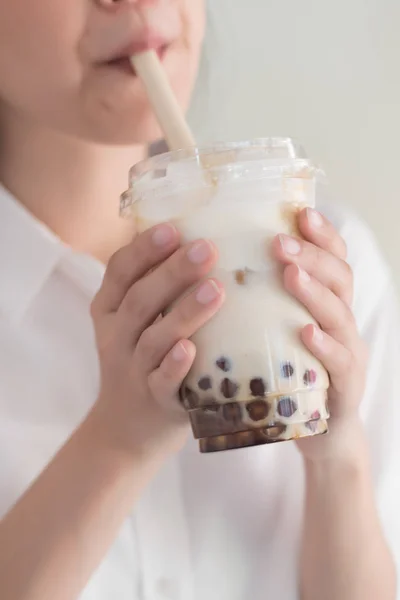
{"x": 186, "y": 173}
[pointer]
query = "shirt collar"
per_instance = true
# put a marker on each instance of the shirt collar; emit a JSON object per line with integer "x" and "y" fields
{"x": 29, "y": 252}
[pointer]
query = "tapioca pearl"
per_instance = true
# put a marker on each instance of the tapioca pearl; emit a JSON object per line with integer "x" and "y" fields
{"x": 275, "y": 431}
{"x": 243, "y": 439}
{"x": 258, "y": 387}
{"x": 212, "y": 408}
{"x": 242, "y": 276}
{"x": 224, "y": 364}
{"x": 229, "y": 388}
{"x": 312, "y": 426}
{"x": 310, "y": 377}
{"x": 287, "y": 407}
{"x": 213, "y": 444}
{"x": 313, "y": 423}
{"x": 258, "y": 410}
{"x": 231, "y": 412}
{"x": 287, "y": 370}
{"x": 205, "y": 383}
{"x": 211, "y": 404}
{"x": 189, "y": 398}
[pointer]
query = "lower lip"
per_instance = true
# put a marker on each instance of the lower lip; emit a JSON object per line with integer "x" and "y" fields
{"x": 125, "y": 65}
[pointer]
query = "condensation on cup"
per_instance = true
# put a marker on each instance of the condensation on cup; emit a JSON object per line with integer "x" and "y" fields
{"x": 253, "y": 381}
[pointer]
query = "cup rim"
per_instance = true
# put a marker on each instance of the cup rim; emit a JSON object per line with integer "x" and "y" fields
{"x": 159, "y": 161}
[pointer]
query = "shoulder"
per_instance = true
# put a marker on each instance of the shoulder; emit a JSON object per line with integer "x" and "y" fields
{"x": 372, "y": 275}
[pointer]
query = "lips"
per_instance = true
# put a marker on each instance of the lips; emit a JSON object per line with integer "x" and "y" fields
{"x": 136, "y": 47}
{"x": 121, "y": 59}
{"x": 112, "y": 38}
{"x": 125, "y": 50}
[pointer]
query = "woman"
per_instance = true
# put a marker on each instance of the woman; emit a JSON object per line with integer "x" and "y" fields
{"x": 102, "y": 496}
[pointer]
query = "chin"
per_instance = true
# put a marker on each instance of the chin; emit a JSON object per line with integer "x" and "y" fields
{"x": 124, "y": 132}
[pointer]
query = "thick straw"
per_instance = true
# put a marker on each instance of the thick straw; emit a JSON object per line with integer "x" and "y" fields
{"x": 162, "y": 99}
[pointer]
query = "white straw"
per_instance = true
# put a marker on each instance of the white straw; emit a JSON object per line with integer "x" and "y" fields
{"x": 163, "y": 101}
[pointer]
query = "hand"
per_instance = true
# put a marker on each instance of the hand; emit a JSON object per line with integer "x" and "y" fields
{"x": 318, "y": 275}
{"x": 144, "y": 357}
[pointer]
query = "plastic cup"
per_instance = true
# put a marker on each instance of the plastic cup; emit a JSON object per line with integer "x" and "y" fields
{"x": 253, "y": 381}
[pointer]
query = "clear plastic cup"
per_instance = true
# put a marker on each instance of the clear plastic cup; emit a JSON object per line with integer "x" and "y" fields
{"x": 253, "y": 381}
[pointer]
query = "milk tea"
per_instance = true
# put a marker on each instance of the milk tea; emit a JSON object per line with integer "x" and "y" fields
{"x": 253, "y": 381}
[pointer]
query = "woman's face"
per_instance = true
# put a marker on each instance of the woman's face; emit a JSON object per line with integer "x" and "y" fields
{"x": 63, "y": 64}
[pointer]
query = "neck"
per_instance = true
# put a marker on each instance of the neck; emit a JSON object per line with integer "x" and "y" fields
{"x": 70, "y": 185}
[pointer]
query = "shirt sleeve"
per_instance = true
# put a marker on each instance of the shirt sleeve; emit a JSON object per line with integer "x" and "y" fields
{"x": 381, "y": 411}
{"x": 377, "y": 313}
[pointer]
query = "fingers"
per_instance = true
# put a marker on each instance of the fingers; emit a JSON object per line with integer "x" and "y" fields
{"x": 319, "y": 231}
{"x": 333, "y": 272}
{"x": 333, "y": 355}
{"x": 183, "y": 321}
{"x": 334, "y": 317}
{"x": 166, "y": 380}
{"x": 153, "y": 294}
{"x": 345, "y": 367}
{"x": 131, "y": 263}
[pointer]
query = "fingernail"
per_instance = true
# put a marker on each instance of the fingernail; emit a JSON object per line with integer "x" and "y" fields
{"x": 207, "y": 292}
{"x": 303, "y": 275}
{"x": 179, "y": 352}
{"x": 289, "y": 245}
{"x": 318, "y": 336}
{"x": 200, "y": 252}
{"x": 163, "y": 234}
{"x": 314, "y": 218}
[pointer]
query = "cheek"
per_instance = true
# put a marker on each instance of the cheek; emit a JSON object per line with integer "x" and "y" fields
{"x": 196, "y": 20}
{"x": 37, "y": 39}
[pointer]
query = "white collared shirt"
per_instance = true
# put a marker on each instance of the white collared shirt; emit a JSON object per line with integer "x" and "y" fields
{"x": 216, "y": 527}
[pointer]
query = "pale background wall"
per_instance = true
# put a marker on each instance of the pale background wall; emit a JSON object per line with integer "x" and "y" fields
{"x": 325, "y": 72}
